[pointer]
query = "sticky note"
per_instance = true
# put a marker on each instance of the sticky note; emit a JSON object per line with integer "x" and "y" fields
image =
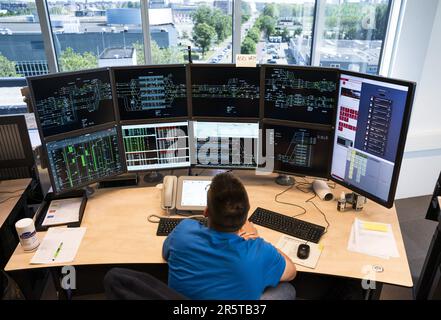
{"x": 375, "y": 227}
{"x": 246, "y": 60}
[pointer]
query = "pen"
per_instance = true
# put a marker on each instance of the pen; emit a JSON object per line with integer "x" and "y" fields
{"x": 57, "y": 252}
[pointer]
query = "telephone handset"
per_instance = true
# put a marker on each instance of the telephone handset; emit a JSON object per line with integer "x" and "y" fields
{"x": 168, "y": 195}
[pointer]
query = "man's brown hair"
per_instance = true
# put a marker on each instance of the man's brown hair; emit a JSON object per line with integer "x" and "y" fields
{"x": 227, "y": 203}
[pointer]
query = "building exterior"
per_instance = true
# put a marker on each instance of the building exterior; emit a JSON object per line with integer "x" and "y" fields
{"x": 117, "y": 57}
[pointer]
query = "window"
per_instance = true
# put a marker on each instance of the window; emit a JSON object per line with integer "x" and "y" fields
{"x": 96, "y": 33}
{"x": 278, "y": 31}
{"x": 19, "y": 35}
{"x": 206, "y": 27}
{"x": 354, "y": 34}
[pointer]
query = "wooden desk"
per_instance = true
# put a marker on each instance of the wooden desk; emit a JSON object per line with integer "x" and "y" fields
{"x": 118, "y": 231}
{"x": 12, "y": 189}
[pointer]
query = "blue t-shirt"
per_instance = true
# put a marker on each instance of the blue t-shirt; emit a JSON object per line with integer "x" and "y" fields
{"x": 207, "y": 264}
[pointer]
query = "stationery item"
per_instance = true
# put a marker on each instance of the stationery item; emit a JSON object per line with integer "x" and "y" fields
{"x": 60, "y": 245}
{"x": 27, "y": 234}
{"x": 63, "y": 211}
{"x": 374, "y": 239}
{"x": 290, "y": 245}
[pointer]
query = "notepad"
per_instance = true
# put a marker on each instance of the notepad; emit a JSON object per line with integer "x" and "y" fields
{"x": 60, "y": 245}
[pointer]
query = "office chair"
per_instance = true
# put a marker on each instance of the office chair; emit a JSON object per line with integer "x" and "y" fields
{"x": 16, "y": 155}
{"x": 125, "y": 284}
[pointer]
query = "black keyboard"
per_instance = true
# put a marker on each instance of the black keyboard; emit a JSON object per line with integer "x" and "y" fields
{"x": 294, "y": 227}
{"x": 166, "y": 225}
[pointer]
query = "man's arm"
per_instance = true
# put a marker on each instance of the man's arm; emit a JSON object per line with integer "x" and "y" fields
{"x": 166, "y": 248}
{"x": 290, "y": 269}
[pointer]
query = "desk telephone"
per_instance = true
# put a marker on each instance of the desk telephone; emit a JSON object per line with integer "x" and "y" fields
{"x": 168, "y": 194}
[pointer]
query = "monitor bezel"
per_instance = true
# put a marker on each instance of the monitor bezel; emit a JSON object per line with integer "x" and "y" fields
{"x": 29, "y": 81}
{"x": 301, "y": 125}
{"x": 264, "y": 68}
{"x": 389, "y": 203}
{"x": 82, "y": 185}
{"x": 146, "y": 67}
{"x": 220, "y": 65}
{"x": 220, "y": 120}
{"x": 155, "y": 122}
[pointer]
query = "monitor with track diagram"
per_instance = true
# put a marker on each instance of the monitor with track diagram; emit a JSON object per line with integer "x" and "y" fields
{"x": 372, "y": 123}
{"x": 298, "y": 150}
{"x": 224, "y": 144}
{"x": 144, "y": 93}
{"x": 84, "y": 159}
{"x": 156, "y": 146}
{"x": 300, "y": 94}
{"x": 225, "y": 91}
{"x": 65, "y": 102}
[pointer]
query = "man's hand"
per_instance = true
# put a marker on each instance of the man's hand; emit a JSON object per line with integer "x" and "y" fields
{"x": 248, "y": 231}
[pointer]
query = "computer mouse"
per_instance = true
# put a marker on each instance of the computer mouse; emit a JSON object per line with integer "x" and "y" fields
{"x": 303, "y": 251}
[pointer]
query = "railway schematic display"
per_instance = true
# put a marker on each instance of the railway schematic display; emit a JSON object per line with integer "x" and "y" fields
{"x": 297, "y": 94}
{"x": 225, "y": 144}
{"x": 144, "y": 93}
{"x": 299, "y": 150}
{"x": 84, "y": 159}
{"x": 74, "y": 101}
{"x": 156, "y": 146}
{"x": 369, "y": 119}
{"x": 225, "y": 92}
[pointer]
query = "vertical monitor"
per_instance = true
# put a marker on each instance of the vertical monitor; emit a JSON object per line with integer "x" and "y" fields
{"x": 156, "y": 146}
{"x": 225, "y": 144}
{"x": 300, "y": 94}
{"x": 298, "y": 150}
{"x": 372, "y": 122}
{"x": 225, "y": 91}
{"x": 71, "y": 101}
{"x": 144, "y": 93}
{"x": 84, "y": 159}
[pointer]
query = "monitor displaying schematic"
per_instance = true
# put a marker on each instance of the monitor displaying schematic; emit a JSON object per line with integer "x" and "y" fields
{"x": 151, "y": 92}
{"x": 298, "y": 150}
{"x": 225, "y": 91}
{"x": 300, "y": 94}
{"x": 84, "y": 159}
{"x": 372, "y": 123}
{"x": 156, "y": 146}
{"x": 71, "y": 101}
{"x": 224, "y": 144}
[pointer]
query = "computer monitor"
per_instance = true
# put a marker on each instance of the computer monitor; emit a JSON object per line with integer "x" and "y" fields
{"x": 83, "y": 159}
{"x": 225, "y": 91}
{"x": 64, "y": 102}
{"x": 224, "y": 144}
{"x": 146, "y": 92}
{"x": 373, "y": 119}
{"x": 16, "y": 155}
{"x": 302, "y": 94}
{"x": 298, "y": 150}
{"x": 156, "y": 146}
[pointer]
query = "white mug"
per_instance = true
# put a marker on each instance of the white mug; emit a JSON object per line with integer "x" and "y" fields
{"x": 27, "y": 234}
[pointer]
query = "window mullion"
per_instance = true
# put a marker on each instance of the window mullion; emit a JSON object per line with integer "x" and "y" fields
{"x": 46, "y": 32}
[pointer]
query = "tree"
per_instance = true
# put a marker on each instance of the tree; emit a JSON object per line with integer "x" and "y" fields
{"x": 7, "y": 67}
{"x": 159, "y": 55}
{"x": 254, "y": 34}
{"x": 71, "y": 61}
{"x": 267, "y": 25}
{"x": 248, "y": 46}
{"x": 246, "y": 11}
{"x": 221, "y": 24}
{"x": 271, "y": 10}
{"x": 202, "y": 15}
{"x": 203, "y": 35}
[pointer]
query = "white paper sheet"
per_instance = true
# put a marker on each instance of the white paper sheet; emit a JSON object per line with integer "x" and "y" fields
{"x": 378, "y": 241}
{"x": 60, "y": 245}
{"x": 63, "y": 211}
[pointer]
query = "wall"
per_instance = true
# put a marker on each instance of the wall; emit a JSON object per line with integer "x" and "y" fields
{"x": 417, "y": 58}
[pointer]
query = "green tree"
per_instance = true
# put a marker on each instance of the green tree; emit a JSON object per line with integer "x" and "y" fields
{"x": 248, "y": 46}
{"x": 139, "y": 49}
{"x": 271, "y": 10}
{"x": 254, "y": 34}
{"x": 246, "y": 11}
{"x": 221, "y": 24}
{"x": 267, "y": 24}
{"x": 7, "y": 67}
{"x": 203, "y": 35}
{"x": 159, "y": 55}
{"x": 202, "y": 15}
{"x": 71, "y": 61}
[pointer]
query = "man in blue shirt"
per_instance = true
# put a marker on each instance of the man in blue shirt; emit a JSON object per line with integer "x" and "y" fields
{"x": 227, "y": 260}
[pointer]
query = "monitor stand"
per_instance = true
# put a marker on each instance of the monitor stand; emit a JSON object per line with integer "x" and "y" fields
{"x": 89, "y": 191}
{"x": 153, "y": 177}
{"x": 285, "y": 180}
